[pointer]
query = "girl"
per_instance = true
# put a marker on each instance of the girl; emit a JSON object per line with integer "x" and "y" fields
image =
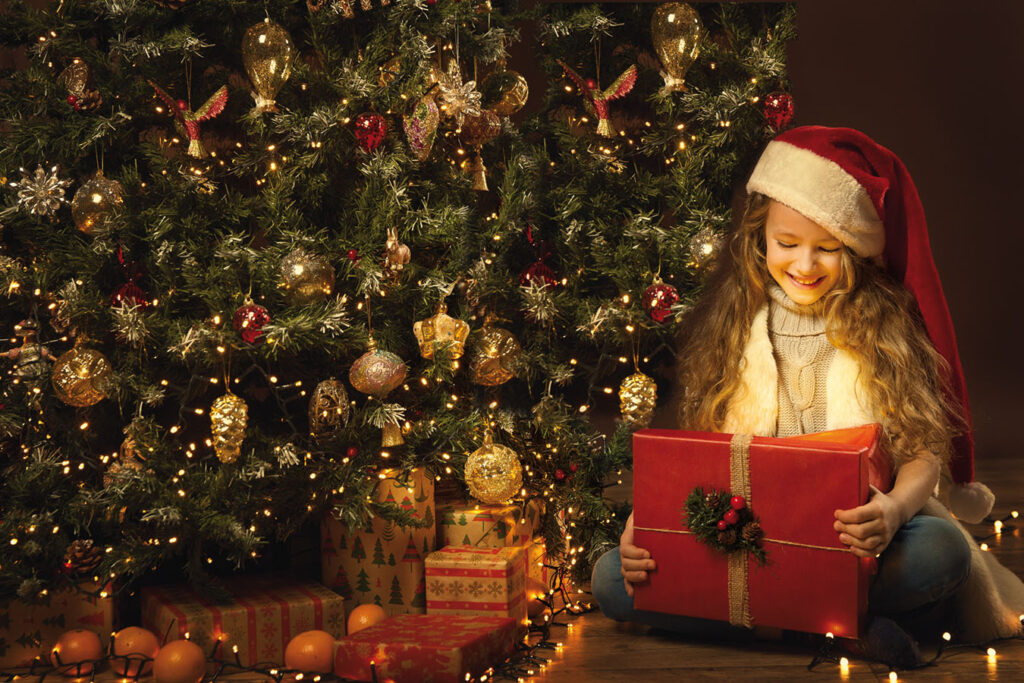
{"x": 826, "y": 312}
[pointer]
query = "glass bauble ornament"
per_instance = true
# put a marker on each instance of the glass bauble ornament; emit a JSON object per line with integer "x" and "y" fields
{"x": 495, "y": 356}
{"x": 493, "y": 472}
{"x": 638, "y": 395}
{"x": 129, "y": 294}
{"x": 267, "y": 53}
{"x": 370, "y": 130}
{"x": 481, "y": 128}
{"x": 658, "y": 300}
{"x": 306, "y": 277}
{"x": 95, "y": 202}
{"x": 504, "y": 92}
{"x": 229, "y": 416}
{"x": 705, "y": 246}
{"x": 676, "y": 31}
{"x": 377, "y": 372}
{"x": 328, "y": 408}
{"x": 778, "y": 110}
{"x": 421, "y": 127}
{"x": 441, "y": 331}
{"x": 81, "y": 377}
{"x": 249, "y": 320}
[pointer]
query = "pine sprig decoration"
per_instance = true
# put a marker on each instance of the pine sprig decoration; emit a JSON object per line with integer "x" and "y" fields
{"x": 707, "y": 512}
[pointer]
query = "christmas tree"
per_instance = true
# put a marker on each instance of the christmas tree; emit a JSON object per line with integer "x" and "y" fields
{"x": 259, "y": 256}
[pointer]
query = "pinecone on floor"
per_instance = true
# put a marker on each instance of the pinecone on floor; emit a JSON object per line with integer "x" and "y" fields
{"x": 82, "y": 556}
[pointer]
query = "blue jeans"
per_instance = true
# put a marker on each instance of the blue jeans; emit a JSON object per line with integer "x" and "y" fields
{"x": 927, "y": 560}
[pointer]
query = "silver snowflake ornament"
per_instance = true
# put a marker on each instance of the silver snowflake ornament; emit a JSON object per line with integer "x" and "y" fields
{"x": 40, "y": 193}
{"x": 458, "y": 99}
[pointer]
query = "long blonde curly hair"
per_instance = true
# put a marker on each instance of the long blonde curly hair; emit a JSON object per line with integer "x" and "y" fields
{"x": 867, "y": 313}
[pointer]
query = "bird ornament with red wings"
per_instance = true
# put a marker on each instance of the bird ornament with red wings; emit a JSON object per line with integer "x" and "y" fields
{"x": 598, "y": 100}
{"x": 188, "y": 120}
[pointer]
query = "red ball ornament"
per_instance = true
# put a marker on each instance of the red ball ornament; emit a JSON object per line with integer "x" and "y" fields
{"x": 353, "y": 254}
{"x": 778, "y": 110}
{"x": 129, "y": 294}
{"x": 722, "y": 526}
{"x": 72, "y": 100}
{"x": 738, "y": 502}
{"x": 658, "y": 300}
{"x": 249, "y": 321}
{"x": 731, "y": 517}
{"x": 370, "y": 130}
{"x": 559, "y": 474}
{"x": 352, "y": 452}
{"x": 538, "y": 273}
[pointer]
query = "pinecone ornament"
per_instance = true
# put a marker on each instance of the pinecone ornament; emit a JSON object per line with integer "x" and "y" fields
{"x": 752, "y": 532}
{"x": 82, "y": 557}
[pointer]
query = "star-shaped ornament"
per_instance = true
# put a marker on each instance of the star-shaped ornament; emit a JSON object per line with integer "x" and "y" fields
{"x": 40, "y": 193}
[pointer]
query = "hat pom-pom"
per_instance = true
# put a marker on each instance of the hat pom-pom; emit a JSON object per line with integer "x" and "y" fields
{"x": 971, "y": 502}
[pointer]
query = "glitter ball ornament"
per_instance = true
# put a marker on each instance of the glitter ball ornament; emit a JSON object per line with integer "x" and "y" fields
{"x": 504, "y": 92}
{"x": 229, "y": 416}
{"x": 421, "y": 127}
{"x": 95, "y": 202}
{"x": 493, "y": 472}
{"x": 81, "y": 377}
{"x": 481, "y": 128}
{"x": 328, "y": 408}
{"x": 128, "y": 294}
{"x": 307, "y": 278}
{"x": 370, "y": 130}
{"x": 638, "y": 394}
{"x": 778, "y": 110}
{"x": 705, "y": 246}
{"x": 40, "y": 193}
{"x": 377, "y": 372}
{"x": 658, "y": 300}
{"x": 267, "y": 53}
{"x": 676, "y": 32}
{"x": 441, "y": 331}
{"x": 495, "y": 356}
{"x": 249, "y": 320}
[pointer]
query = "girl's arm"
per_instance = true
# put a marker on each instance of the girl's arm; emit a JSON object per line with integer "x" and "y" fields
{"x": 868, "y": 529}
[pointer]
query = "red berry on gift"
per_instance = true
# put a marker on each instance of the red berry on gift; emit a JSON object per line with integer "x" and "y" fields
{"x": 731, "y": 517}
{"x": 722, "y": 526}
{"x": 370, "y": 130}
{"x": 353, "y": 254}
{"x": 559, "y": 474}
{"x": 352, "y": 452}
{"x": 738, "y": 502}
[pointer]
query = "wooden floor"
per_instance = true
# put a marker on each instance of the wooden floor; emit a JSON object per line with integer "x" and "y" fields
{"x": 599, "y": 650}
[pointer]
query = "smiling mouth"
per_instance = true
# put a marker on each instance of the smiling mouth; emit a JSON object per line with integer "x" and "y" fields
{"x": 805, "y": 283}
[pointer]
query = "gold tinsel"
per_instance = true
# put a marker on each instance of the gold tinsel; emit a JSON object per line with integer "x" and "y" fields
{"x": 81, "y": 377}
{"x": 495, "y": 356}
{"x": 493, "y": 472}
{"x": 328, "y": 408}
{"x": 638, "y": 395}
{"x": 229, "y": 416}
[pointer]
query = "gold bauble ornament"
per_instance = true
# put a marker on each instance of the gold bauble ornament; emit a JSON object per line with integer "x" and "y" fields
{"x": 328, "y": 408}
{"x": 81, "y": 377}
{"x": 95, "y": 202}
{"x": 495, "y": 356}
{"x": 441, "y": 331}
{"x": 504, "y": 92}
{"x": 638, "y": 395}
{"x": 676, "y": 32}
{"x": 308, "y": 278}
{"x": 705, "y": 246}
{"x": 228, "y": 417}
{"x": 480, "y": 129}
{"x": 493, "y": 472}
{"x": 267, "y": 53}
{"x": 389, "y": 71}
{"x": 377, "y": 372}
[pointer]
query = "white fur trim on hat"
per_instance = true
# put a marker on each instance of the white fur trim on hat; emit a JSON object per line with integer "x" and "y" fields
{"x": 821, "y": 190}
{"x": 971, "y": 502}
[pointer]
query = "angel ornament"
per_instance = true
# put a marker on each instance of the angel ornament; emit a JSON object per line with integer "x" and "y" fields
{"x": 597, "y": 100}
{"x": 187, "y": 120}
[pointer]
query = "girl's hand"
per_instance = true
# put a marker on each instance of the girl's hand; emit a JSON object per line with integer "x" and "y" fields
{"x": 868, "y": 529}
{"x": 636, "y": 562}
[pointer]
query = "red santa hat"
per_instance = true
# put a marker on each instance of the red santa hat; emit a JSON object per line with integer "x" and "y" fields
{"x": 862, "y": 193}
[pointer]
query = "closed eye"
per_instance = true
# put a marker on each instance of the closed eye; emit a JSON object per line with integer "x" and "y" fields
{"x": 784, "y": 245}
{"x": 830, "y": 251}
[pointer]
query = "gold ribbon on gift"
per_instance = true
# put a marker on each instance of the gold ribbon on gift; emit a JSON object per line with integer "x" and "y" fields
{"x": 739, "y": 485}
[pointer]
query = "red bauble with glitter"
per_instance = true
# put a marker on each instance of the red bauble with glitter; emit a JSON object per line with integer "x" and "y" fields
{"x": 249, "y": 321}
{"x": 128, "y": 294}
{"x": 370, "y": 130}
{"x": 778, "y": 110}
{"x": 658, "y": 300}
{"x": 540, "y": 274}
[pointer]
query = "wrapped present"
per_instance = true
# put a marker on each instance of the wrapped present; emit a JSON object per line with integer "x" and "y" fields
{"x": 536, "y": 560}
{"x": 426, "y": 648}
{"x": 30, "y": 630}
{"x": 490, "y": 526}
{"x": 383, "y": 562}
{"x": 263, "y": 614}
{"x": 483, "y": 581}
{"x": 809, "y": 580}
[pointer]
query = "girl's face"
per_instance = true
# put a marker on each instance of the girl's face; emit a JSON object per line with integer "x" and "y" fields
{"x": 803, "y": 257}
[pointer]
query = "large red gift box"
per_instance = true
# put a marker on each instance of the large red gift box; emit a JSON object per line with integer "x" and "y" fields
{"x": 811, "y": 581}
{"x": 426, "y": 648}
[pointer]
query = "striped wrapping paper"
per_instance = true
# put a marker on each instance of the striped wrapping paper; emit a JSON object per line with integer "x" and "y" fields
{"x": 477, "y": 581}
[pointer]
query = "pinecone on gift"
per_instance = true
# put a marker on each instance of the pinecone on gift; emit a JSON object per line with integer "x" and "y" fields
{"x": 752, "y": 532}
{"x": 727, "y": 538}
{"x": 82, "y": 556}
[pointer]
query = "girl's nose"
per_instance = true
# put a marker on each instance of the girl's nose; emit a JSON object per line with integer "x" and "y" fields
{"x": 807, "y": 261}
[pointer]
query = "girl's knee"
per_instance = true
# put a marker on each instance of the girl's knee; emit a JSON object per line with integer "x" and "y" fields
{"x": 608, "y": 589}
